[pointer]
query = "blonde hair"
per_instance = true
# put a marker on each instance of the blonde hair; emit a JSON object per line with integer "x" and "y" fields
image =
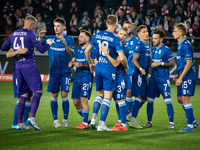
{"x": 111, "y": 20}
{"x": 30, "y": 18}
{"x": 181, "y": 27}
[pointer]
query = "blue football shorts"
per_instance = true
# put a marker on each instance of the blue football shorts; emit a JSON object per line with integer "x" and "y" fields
{"x": 157, "y": 87}
{"x": 187, "y": 87}
{"x": 139, "y": 85}
{"x": 81, "y": 89}
{"x": 56, "y": 80}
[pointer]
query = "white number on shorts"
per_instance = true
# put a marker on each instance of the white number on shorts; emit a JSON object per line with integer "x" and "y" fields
{"x": 68, "y": 81}
{"x": 100, "y": 50}
{"x": 16, "y": 46}
{"x": 184, "y": 85}
{"x": 165, "y": 85}
{"x": 139, "y": 80}
{"x": 86, "y": 86}
{"x": 119, "y": 89}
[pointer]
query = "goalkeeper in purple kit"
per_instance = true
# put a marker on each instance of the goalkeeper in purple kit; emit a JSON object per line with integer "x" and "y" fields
{"x": 28, "y": 76}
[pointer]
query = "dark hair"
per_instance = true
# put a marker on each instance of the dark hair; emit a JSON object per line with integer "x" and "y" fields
{"x": 161, "y": 34}
{"x": 87, "y": 34}
{"x": 140, "y": 28}
{"x": 60, "y": 20}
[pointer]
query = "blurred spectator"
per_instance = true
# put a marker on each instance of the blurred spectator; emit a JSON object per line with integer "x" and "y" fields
{"x": 170, "y": 4}
{"x": 161, "y": 28}
{"x": 49, "y": 23}
{"x": 66, "y": 4}
{"x": 98, "y": 5}
{"x": 121, "y": 17}
{"x": 26, "y": 10}
{"x": 49, "y": 6}
{"x": 155, "y": 22}
{"x": 152, "y": 8}
{"x": 101, "y": 14}
{"x": 110, "y": 4}
{"x": 98, "y": 26}
{"x": 134, "y": 29}
{"x": 179, "y": 14}
{"x": 195, "y": 25}
{"x": 9, "y": 28}
{"x": 86, "y": 27}
{"x": 135, "y": 18}
{"x": 141, "y": 8}
{"x": 40, "y": 25}
{"x": 73, "y": 26}
{"x": 193, "y": 6}
{"x": 61, "y": 10}
{"x": 190, "y": 35}
{"x": 18, "y": 16}
{"x": 21, "y": 24}
{"x": 73, "y": 10}
{"x": 82, "y": 21}
{"x": 165, "y": 11}
{"x": 8, "y": 10}
{"x": 125, "y": 8}
{"x": 183, "y": 4}
{"x": 198, "y": 10}
{"x": 43, "y": 8}
{"x": 188, "y": 14}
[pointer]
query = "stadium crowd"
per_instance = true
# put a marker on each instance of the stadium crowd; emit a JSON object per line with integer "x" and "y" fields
{"x": 91, "y": 15}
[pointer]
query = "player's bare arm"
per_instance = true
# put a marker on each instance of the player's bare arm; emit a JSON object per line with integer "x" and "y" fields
{"x": 135, "y": 62}
{"x": 71, "y": 63}
{"x": 171, "y": 63}
{"x": 114, "y": 62}
{"x": 41, "y": 35}
{"x": 185, "y": 71}
{"x": 69, "y": 51}
{"x": 12, "y": 53}
{"x": 88, "y": 57}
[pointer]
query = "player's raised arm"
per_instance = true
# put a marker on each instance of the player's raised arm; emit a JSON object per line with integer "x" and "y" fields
{"x": 69, "y": 51}
{"x": 12, "y": 53}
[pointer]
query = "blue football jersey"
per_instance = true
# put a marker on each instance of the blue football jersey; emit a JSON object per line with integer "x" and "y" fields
{"x": 58, "y": 57}
{"x": 114, "y": 46}
{"x": 131, "y": 44}
{"x": 161, "y": 54}
{"x": 143, "y": 50}
{"x": 121, "y": 68}
{"x": 83, "y": 74}
{"x": 184, "y": 53}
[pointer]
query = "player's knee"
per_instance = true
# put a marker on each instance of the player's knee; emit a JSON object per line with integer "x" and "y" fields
{"x": 54, "y": 95}
{"x": 76, "y": 102}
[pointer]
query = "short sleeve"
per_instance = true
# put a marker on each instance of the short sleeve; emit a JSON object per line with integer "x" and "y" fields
{"x": 71, "y": 43}
{"x": 75, "y": 54}
{"x": 169, "y": 54}
{"x": 137, "y": 49}
{"x": 118, "y": 45}
{"x": 92, "y": 42}
{"x": 188, "y": 51}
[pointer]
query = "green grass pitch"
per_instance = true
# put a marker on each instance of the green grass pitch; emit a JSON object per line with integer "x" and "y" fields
{"x": 157, "y": 137}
